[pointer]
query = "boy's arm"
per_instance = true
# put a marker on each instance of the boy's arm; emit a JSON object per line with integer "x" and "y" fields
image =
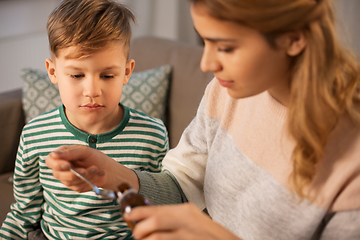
{"x": 25, "y": 213}
{"x": 165, "y": 147}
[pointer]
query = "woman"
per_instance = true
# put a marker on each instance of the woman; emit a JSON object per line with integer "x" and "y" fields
{"x": 273, "y": 152}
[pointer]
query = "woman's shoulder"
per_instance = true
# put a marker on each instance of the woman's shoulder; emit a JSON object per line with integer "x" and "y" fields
{"x": 338, "y": 178}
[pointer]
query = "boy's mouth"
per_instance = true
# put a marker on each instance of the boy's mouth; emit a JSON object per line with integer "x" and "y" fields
{"x": 92, "y": 106}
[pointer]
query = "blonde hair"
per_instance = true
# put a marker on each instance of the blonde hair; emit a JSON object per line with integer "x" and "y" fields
{"x": 324, "y": 77}
{"x": 89, "y": 25}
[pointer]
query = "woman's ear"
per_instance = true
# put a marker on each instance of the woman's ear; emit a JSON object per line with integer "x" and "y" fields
{"x": 130, "y": 65}
{"x": 296, "y": 42}
{"x": 50, "y": 67}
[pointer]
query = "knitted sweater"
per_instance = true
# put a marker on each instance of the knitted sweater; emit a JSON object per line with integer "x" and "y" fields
{"x": 139, "y": 142}
{"x": 235, "y": 160}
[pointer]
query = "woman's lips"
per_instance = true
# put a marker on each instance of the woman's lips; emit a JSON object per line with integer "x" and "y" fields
{"x": 225, "y": 84}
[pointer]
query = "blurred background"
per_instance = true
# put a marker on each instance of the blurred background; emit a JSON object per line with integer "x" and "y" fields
{"x": 23, "y": 39}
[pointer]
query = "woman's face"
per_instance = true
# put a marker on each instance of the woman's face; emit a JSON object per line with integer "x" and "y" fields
{"x": 241, "y": 58}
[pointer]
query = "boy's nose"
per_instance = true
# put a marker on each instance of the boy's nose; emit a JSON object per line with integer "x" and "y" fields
{"x": 92, "y": 88}
{"x": 209, "y": 61}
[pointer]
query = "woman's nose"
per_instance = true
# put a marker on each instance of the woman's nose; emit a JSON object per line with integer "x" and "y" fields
{"x": 92, "y": 87}
{"x": 209, "y": 61}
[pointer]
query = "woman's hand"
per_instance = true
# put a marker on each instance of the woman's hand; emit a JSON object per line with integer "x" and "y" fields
{"x": 182, "y": 221}
{"x": 100, "y": 169}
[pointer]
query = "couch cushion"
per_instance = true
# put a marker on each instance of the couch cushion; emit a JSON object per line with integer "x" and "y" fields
{"x": 11, "y": 123}
{"x": 146, "y": 91}
{"x": 7, "y": 197}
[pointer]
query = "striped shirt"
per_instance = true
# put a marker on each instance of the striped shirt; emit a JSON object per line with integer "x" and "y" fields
{"x": 139, "y": 142}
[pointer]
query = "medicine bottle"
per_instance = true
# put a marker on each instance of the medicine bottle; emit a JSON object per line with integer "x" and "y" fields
{"x": 128, "y": 198}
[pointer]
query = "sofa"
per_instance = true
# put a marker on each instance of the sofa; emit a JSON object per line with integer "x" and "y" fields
{"x": 186, "y": 87}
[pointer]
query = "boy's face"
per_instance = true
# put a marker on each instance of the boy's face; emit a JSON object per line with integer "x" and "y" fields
{"x": 91, "y": 87}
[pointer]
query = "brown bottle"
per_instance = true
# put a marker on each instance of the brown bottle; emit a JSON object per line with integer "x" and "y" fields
{"x": 128, "y": 198}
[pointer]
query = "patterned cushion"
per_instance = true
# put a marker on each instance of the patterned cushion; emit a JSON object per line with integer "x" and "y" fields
{"x": 39, "y": 94}
{"x": 146, "y": 92}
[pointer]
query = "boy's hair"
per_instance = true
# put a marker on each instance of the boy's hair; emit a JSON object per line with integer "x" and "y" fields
{"x": 324, "y": 77}
{"x": 89, "y": 25}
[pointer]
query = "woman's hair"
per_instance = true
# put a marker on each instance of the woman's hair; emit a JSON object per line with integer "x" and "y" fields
{"x": 324, "y": 77}
{"x": 89, "y": 25}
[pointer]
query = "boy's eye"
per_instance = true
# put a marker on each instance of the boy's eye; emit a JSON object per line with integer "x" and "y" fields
{"x": 107, "y": 76}
{"x": 77, "y": 76}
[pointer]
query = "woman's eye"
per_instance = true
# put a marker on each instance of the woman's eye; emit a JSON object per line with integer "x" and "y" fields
{"x": 227, "y": 50}
{"x": 77, "y": 76}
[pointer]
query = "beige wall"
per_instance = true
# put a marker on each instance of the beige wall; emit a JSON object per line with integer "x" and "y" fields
{"x": 349, "y": 23}
{"x": 23, "y": 40}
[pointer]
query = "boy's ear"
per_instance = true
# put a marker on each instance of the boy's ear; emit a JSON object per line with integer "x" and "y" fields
{"x": 128, "y": 70}
{"x": 50, "y": 67}
{"x": 296, "y": 42}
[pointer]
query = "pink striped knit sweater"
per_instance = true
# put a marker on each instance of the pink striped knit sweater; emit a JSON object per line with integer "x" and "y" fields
{"x": 235, "y": 160}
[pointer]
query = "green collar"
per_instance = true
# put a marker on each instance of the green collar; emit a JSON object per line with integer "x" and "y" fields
{"x": 91, "y": 139}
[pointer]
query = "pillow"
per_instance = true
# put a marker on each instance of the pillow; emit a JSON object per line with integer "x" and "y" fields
{"x": 39, "y": 93}
{"x": 146, "y": 92}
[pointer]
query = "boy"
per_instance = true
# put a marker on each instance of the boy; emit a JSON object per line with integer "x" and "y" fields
{"x": 89, "y": 43}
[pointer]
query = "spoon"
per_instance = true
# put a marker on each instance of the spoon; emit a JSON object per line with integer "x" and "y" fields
{"x": 104, "y": 193}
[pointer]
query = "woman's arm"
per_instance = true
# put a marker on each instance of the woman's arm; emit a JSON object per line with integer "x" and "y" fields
{"x": 105, "y": 172}
{"x": 180, "y": 221}
{"x": 340, "y": 225}
{"x": 102, "y": 170}
{"x": 160, "y": 188}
